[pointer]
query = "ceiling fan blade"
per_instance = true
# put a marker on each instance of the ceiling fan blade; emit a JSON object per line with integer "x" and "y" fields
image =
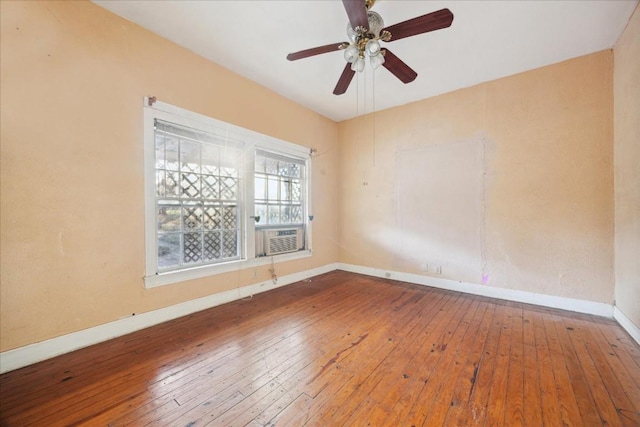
{"x": 344, "y": 80}
{"x": 397, "y": 67}
{"x": 357, "y": 13}
{"x": 315, "y": 51}
{"x": 422, "y": 24}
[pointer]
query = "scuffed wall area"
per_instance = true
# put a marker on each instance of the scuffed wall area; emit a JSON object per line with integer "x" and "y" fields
{"x": 521, "y": 166}
{"x": 72, "y": 226}
{"x": 627, "y": 169}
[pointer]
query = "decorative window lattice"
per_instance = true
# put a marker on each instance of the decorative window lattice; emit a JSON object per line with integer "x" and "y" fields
{"x": 197, "y": 181}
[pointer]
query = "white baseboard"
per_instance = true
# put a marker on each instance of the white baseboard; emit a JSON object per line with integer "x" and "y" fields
{"x": 570, "y": 304}
{"x": 27, "y": 355}
{"x": 627, "y": 324}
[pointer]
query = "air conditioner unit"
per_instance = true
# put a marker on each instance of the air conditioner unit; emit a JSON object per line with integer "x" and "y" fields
{"x": 283, "y": 240}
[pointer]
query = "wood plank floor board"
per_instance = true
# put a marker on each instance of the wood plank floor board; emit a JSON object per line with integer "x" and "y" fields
{"x": 395, "y": 358}
{"x": 531, "y": 388}
{"x": 343, "y": 349}
{"x": 316, "y": 405}
{"x": 372, "y": 349}
{"x": 498, "y": 391}
{"x": 461, "y": 400}
{"x": 608, "y": 392}
{"x": 460, "y": 372}
{"x": 569, "y": 411}
{"x": 421, "y": 366}
{"x": 514, "y": 414}
{"x": 475, "y": 413}
{"x": 346, "y": 386}
{"x": 620, "y": 355}
{"x": 388, "y": 382}
{"x": 547, "y": 406}
{"x": 582, "y": 389}
{"x": 439, "y": 363}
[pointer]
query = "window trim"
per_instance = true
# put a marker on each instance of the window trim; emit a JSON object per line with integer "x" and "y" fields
{"x": 253, "y": 142}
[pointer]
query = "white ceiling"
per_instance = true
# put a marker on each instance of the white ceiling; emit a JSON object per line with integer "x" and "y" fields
{"x": 487, "y": 40}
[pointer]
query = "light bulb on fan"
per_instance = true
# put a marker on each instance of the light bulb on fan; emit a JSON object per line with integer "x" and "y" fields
{"x": 351, "y": 54}
{"x": 376, "y": 60}
{"x": 372, "y": 47}
{"x": 358, "y": 65}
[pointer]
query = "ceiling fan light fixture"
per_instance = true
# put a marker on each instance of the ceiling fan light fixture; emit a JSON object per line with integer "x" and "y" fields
{"x": 358, "y": 65}
{"x": 351, "y": 54}
{"x": 372, "y": 47}
{"x": 376, "y": 61}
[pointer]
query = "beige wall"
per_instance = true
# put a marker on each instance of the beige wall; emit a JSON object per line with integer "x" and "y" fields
{"x": 541, "y": 218}
{"x": 73, "y": 80}
{"x": 626, "y": 84}
{"x": 506, "y": 184}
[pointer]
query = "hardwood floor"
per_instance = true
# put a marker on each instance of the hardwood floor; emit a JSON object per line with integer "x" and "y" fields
{"x": 343, "y": 349}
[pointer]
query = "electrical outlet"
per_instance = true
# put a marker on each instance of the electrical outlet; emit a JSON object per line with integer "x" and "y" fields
{"x": 439, "y": 269}
{"x": 387, "y": 275}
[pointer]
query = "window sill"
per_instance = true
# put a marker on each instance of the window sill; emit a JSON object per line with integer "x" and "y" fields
{"x": 172, "y": 277}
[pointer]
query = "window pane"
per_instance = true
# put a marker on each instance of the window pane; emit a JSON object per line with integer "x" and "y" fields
{"x": 261, "y": 211}
{"x": 212, "y": 218}
{"x": 210, "y": 159}
{"x": 229, "y": 217}
{"x": 285, "y": 214}
{"x": 192, "y": 218}
{"x": 171, "y": 153}
{"x": 210, "y": 187}
{"x": 294, "y": 170}
{"x": 192, "y": 248}
{"x": 171, "y": 188}
{"x": 160, "y": 178}
{"x": 272, "y": 166}
{"x": 230, "y": 244}
{"x": 296, "y": 191}
{"x": 212, "y": 246}
{"x": 160, "y": 155}
{"x": 228, "y": 188}
{"x": 168, "y": 250}
{"x": 260, "y": 186}
{"x": 189, "y": 156}
{"x": 272, "y": 190}
{"x": 285, "y": 189}
{"x": 229, "y": 160}
{"x": 169, "y": 218}
{"x": 296, "y": 214}
{"x": 189, "y": 185}
{"x": 273, "y": 214}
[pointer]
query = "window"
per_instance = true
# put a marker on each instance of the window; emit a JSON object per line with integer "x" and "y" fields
{"x": 198, "y": 198}
{"x": 279, "y": 204}
{"x": 219, "y": 197}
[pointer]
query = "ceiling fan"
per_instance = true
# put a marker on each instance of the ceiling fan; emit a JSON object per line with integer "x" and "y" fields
{"x": 365, "y": 31}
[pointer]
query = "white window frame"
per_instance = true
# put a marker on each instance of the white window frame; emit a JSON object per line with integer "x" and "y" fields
{"x": 252, "y": 141}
